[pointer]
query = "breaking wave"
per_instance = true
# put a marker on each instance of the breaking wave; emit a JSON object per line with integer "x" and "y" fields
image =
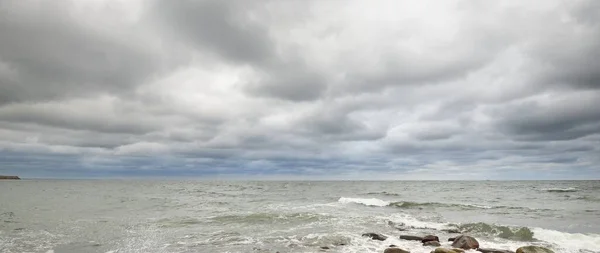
{"x": 561, "y": 190}
{"x": 506, "y": 232}
{"x": 410, "y": 204}
{"x": 366, "y": 202}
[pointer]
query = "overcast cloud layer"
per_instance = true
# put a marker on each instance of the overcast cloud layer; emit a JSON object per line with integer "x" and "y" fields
{"x": 300, "y": 89}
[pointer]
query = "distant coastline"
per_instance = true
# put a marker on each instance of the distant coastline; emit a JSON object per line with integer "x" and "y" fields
{"x": 9, "y": 177}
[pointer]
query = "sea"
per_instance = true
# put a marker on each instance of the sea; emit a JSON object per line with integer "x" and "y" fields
{"x": 119, "y": 216}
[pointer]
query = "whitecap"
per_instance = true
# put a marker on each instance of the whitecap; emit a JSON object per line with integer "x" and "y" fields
{"x": 366, "y": 202}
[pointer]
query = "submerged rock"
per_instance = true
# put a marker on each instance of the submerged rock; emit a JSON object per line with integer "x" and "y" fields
{"x": 465, "y": 242}
{"x": 395, "y": 250}
{"x": 432, "y": 243}
{"x": 451, "y": 239}
{"x": 493, "y": 250}
{"x": 411, "y": 237}
{"x": 375, "y": 236}
{"x": 534, "y": 249}
{"x": 445, "y": 250}
{"x": 429, "y": 238}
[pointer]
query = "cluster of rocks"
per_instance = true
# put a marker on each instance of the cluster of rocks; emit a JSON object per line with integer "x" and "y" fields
{"x": 459, "y": 244}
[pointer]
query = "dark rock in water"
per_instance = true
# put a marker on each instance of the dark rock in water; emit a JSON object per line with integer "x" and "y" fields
{"x": 493, "y": 250}
{"x": 392, "y": 245}
{"x": 444, "y": 250}
{"x": 534, "y": 249}
{"x": 411, "y": 237}
{"x": 9, "y": 177}
{"x": 395, "y": 250}
{"x": 432, "y": 243}
{"x": 451, "y": 239}
{"x": 428, "y": 238}
{"x": 375, "y": 236}
{"x": 324, "y": 247}
{"x": 452, "y": 231}
{"x": 465, "y": 242}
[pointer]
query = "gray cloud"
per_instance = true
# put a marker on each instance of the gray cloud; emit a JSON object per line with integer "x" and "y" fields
{"x": 299, "y": 88}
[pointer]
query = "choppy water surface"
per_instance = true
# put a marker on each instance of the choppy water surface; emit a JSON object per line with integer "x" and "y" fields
{"x": 200, "y": 216}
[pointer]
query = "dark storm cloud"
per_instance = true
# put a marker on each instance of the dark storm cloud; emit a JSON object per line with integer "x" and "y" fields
{"x": 52, "y": 55}
{"x": 222, "y": 27}
{"x": 226, "y": 29}
{"x": 569, "y": 118}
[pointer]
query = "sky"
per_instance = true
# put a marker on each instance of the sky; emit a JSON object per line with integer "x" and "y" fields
{"x": 300, "y": 89}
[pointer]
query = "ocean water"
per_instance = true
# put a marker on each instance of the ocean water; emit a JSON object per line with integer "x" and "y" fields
{"x": 120, "y": 216}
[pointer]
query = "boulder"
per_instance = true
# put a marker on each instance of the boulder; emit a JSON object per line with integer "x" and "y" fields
{"x": 428, "y": 238}
{"x": 451, "y": 239}
{"x": 432, "y": 243}
{"x": 395, "y": 250}
{"x": 493, "y": 250}
{"x": 445, "y": 250}
{"x": 465, "y": 242}
{"x": 375, "y": 236}
{"x": 411, "y": 237}
{"x": 534, "y": 249}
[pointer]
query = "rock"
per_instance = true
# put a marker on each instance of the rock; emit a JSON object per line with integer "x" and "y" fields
{"x": 9, "y": 177}
{"x": 452, "y": 231}
{"x": 445, "y": 250}
{"x": 392, "y": 246}
{"x": 395, "y": 250}
{"x": 534, "y": 249}
{"x": 465, "y": 242}
{"x": 411, "y": 237}
{"x": 429, "y": 238}
{"x": 451, "y": 239}
{"x": 375, "y": 236}
{"x": 432, "y": 243}
{"x": 494, "y": 250}
{"x": 324, "y": 247}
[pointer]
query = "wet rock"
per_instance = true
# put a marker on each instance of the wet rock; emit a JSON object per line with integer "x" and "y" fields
{"x": 375, "y": 236}
{"x": 452, "y": 231}
{"x": 429, "y": 238}
{"x": 534, "y": 249}
{"x": 493, "y": 250}
{"x": 395, "y": 250}
{"x": 324, "y": 247}
{"x": 465, "y": 242}
{"x": 451, "y": 239}
{"x": 411, "y": 237}
{"x": 445, "y": 250}
{"x": 432, "y": 243}
{"x": 392, "y": 245}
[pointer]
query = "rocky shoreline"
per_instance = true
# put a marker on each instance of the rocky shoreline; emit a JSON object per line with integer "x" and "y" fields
{"x": 9, "y": 177}
{"x": 459, "y": 244}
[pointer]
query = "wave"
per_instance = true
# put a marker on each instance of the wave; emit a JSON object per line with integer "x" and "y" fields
{"x": 560, "y": 189}
{"x": 506, "y": 232}
{"x": 366, "y": 202}
{"x": 268, "y": 217}
{"x": 383, "y": 193}
{"x": 574, "y": 242}
{"x": 421, "y": 205}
